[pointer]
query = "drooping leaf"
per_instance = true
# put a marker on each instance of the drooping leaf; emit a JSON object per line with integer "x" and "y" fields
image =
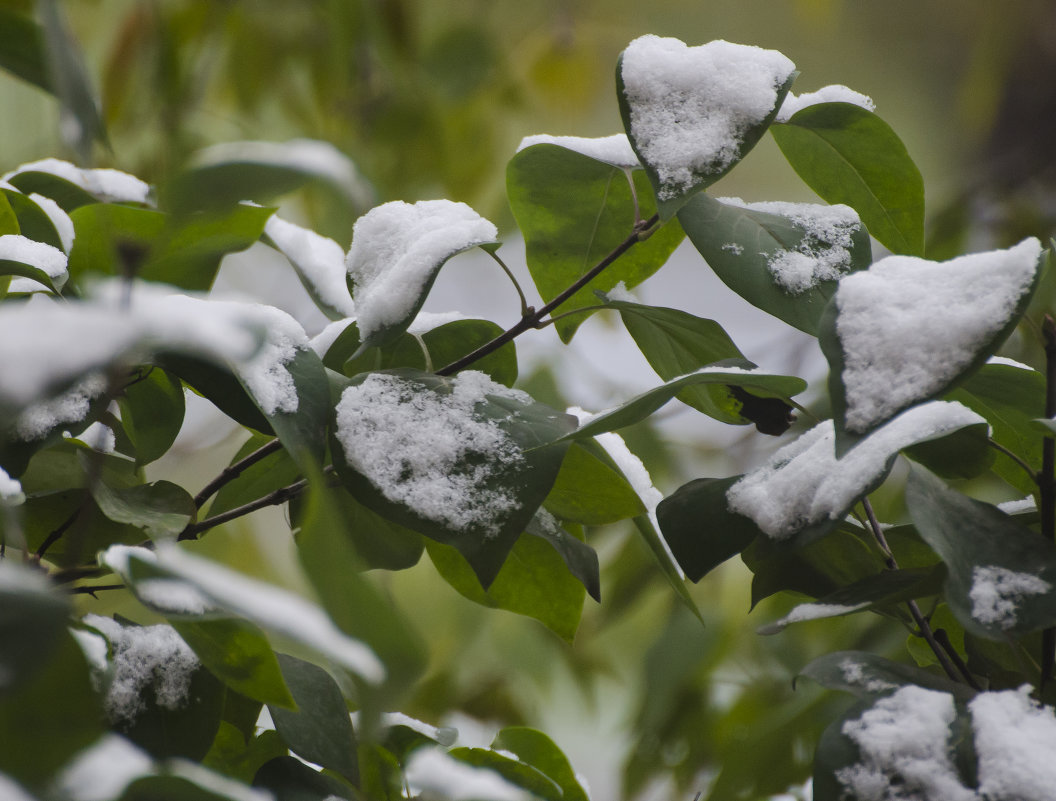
{"x": 573, "y": 211}
{"x": 750, "y": 250}
{"x": 160, "y": 509}
{"x": 590, "y": 489}
{"x": 319, "y": 729}
{"x": 868, "y": 675}
{"x": 152, "y": 409}
{"x": 668, "y": 565}
{"x": 534, "y": 748}
{"x": 580, "y": 559}
{"x": 22, "y": 48}
{"x": 217, "y": 384}
{"x": 483, "y": 516}
{"x": 849, "y": 155}
{"x": 512, "y": 770}
{"x": 1002, "y": 575}
{"x": 740, "y": 374}
{"x": 689, "y": 133}
{"x": 66, "y": 194}
{"x": 33, "y": 221}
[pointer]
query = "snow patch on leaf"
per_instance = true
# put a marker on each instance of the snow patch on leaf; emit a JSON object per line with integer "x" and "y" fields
{"x": 319, "y": 259}
{"x": 833, "y": 93}
{"x": 996, "y": 591}
{"x": 110, "y": 186}
{"x": 615, "y": 150}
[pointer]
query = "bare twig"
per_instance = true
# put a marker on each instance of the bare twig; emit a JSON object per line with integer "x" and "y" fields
{"x": 231, "y": 472}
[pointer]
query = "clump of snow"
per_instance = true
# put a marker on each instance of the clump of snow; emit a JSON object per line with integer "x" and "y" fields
{"x": 71, "y": 406}
{"x": 10, "y": 490}
{"x": 824, "y": 252}
{"x": 322, "y": 341}
{"x": 10, "y": 790}
{"x": 905, "y": 754}
{"x": 49, "y": 260}
{"x": 268, "y": 606}
{"x": 811, "y": 611}
{"x": 59, "y": 218}
{"x": 834, "y": 93}
{"x": 734, "y": 248}
{"x": 1008, "y": 362}
{"x": 621, "y": 293}
{"x": 173, "y": 597}
{"x": 1015, "y": 739}
{"x": 427, "y": 450}
{"x": 615, "y": 150}
{"x": 319, "y": 259}
{"x": 690, "y": 107}
{"x": 145, "y": 657}
{"x": 996, "y": 591}
{"x": 102, "y": 771}
{"x": 425, "y": 322}
{"x": 95, "y": 649}
{"x": 431, "y": 772}
{"x": 854, "y": 673}
{"x": 908, "y": 326}
{"x": 396, "y": 249}
{"x": 1020, "y": 506}
{"x": 97, "y": 436}
{"x": 804, "y": 483}
{"x": 110, "y": 186}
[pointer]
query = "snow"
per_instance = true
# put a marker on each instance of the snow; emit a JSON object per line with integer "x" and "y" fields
{"x": 268, "y": 606}
{"x": 621, "y": 293}
{"x": 102, "y": 771}
{"x": 319, "y": 259}
{"x": 110, "y": 186}
{"x": 615, "y": 150}
{"x": 322, "y": 341}
{"x": 59, "y": 218}
{"x": 144, "y": 657}
{"x": 44, "y": 344}
{"x": 908, "y": 326}
{"x": 72, "y": 406}
{"x": 49, "y": 260}
{"x": 996, "y": 591}
{"x": 396, "y": 249}
{"x": 427, "y": 451}
{"x": 690, "y": 107}
{"x": 824, "y": 252}
{"x": 10, "y": 490}
{"x": 173, "y": 597}
{"x": 803, "y": 483}
{"x": 98, "y": 437}
{"x": 434, "y": 774}
{"x": 854, "y": 673}
{"x": 1019, "y": 506}
{"x": 834, "y": 93}
{"x": 1015, "y": 740}
{"x": 95, "y": 649}
{"x": 309, "y": 156}
{"x": 812, "y": 611}
{"x": 1008, "y": 362}
{"x": 10, "y": 790}
{"x": 904, "y": 750}
{"x": 427, "y": 321}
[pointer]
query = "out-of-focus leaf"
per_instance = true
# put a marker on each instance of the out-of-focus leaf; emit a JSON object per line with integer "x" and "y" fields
{"x": 22, "y": 48}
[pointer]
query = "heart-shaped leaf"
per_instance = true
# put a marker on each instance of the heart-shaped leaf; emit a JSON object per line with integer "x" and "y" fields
{"x": 784, "y": 258}
{"x": 692, "y": 113}
{"x": 908, "y": 329}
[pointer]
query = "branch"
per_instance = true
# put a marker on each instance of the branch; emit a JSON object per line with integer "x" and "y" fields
{"x": 922, "y": 622}
{"x": 533, "y": 320}
{"x": 275, "y": 498}
{"x": 231, "y": 472}
{"x": 1015, "y": 457}
{"x": 1047, "y": 484}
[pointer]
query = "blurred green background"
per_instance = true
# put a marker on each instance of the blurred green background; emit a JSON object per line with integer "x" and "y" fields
{"x": 429, "y": 98}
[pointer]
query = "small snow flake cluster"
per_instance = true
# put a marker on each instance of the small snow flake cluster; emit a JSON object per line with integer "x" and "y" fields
{"x": 427, "y": 450}
{"x": 996, "y": 591}
{"x": 615, "y": 150}
{"x": 690, "y": 107}
{"x": 908, "y": 326}
{"x": 145, "y": 657}
{"x": 834, "y": 93}
{"x": 824, "y": 252}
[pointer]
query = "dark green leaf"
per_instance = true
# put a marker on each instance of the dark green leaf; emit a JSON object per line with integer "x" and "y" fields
{"x": 234, "y": 756}
{"x": 291, "y": 780}
{"x": 112, "y": 239}
{"x": 489, "y": 533}
{"x": 67, "y": 194}
{"x": 536, "y": 749}
{"x": 868, "y": 675}
{"x": 217, "y": 384}
{"x": 574, "y": 211}
{"x": 514, "y": 771}
{"x": 590, "y": 489}
{"x": 152, "y": 409}
{"x": 534, "y": 581}
{"x": 849, "y": 155}
{"x": 320, "y": 729}
{"x": 32, "y": 619}
{"x": 303, "y": 432}
{"x": 1002, "y": 575}
{"x": 22, "y": 48}
{"x": 33, "y": 222}
{"x": 9, "y": 267}
{"x": 962, "y": 454}
{"x": 701, "y": 532}
{"x": 740, "y": 375}
{"x": 747, "y": 132}
{"x": 160, "y": 509}
{"x": 741, "y": 245}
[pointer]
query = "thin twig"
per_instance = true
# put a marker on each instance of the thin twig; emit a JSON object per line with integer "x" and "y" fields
{"x": 55, "y": 535}
{"x": 83, "y": 590}
{"x": 231, "y": 472}
{"x": 275, "y": 498}
{"x": 1047, "y": 485}
{"x": 641, "y": 231}
{"x": 1015, "y": 457}
{"x": 923, "y": 627}
{"x": 943, "y": 639}
{"x": 525, "y": 308}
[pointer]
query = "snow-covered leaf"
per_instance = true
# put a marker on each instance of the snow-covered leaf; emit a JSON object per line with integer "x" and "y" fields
{"x": 318, "y": 261}
{"x": 691, "y": 113}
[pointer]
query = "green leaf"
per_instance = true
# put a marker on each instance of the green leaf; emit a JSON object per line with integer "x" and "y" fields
{"x": 32, "y": 619}
{"x": 573, "y": 211}
{"x": 217, "y": 384}
{"x": 740, "y": 375}
{"x": 33, "y": 221}
{"x": 580, "y": 559}
{"x": 152, "y": 410}
{"x": 534, "y": 581}
{"x": 536, "y": 749}
{"x": 890, "y": 586}
{"x": 161, "y": 509}
{"x": 849, "y": 155}
{"x": 233, "y": 756}
{"x": 328, "y": 556}
{"x": 512, "y": 770}
{"x": 590, "y": 489}
{"x": 668, "y": 567}
{"x": 8, "y": 218}
{"x": 1002, "y": 575}
{"x": 112, "y": 238}
{"x": 532, "y": 431}
{"x": 67, "y": 194}
{"x": 741, "y": 245}
{"x": 53, "y": 714}
{"x": 303, "y": 432}
{"x": 746, "y": 132}
{"x": 1009, "y": 398}
{"x": 22, "y": 48}
{"x": 320, "y": 729}
{"x": 12, "y": 267}
{"x": 961, "y": 454}
{"x": 701, "y": 532}
{"x": 81, "y": 121}
{"x": 291, "y": 780}
{"x": 868, "y": 675}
